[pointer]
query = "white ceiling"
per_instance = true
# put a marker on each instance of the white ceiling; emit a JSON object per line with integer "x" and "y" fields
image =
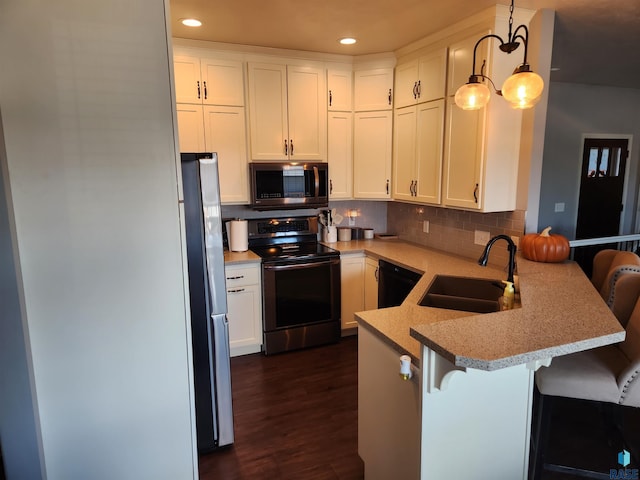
{"x": 595, "y": 41}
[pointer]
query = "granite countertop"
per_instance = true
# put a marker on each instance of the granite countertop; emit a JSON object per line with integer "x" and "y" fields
{"x": 561, "y": 311}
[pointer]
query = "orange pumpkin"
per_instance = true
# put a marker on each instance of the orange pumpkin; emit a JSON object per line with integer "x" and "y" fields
{"x": 545, "y": 247}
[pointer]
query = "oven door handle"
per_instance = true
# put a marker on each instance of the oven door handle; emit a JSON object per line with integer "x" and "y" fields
{"x": 297, "y": 266}
{"x": 316, "y": 180}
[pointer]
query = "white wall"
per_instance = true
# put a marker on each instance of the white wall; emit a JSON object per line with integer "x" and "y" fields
{"x": 574, "y": 110}
{"x": 86, "y": 107}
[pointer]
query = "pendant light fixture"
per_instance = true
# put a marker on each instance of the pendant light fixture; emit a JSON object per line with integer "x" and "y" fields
{"x": 522, "y": 89}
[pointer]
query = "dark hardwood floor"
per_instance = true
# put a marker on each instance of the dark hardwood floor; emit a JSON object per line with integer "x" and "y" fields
{"x": 296, "y": 418}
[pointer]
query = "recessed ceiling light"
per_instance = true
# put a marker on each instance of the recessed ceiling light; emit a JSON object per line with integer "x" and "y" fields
{"x": 347, "y": 41}
{"x": 191, "y": 22}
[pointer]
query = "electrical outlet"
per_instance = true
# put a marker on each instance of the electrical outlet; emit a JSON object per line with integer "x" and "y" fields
{"x": 481, "y": 237}
{"x": 559, "y": 207}
{"x": 425, "y": 226}
{"x": 352, "y": 221}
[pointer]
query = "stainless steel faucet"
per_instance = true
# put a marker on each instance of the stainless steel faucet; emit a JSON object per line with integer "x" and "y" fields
{"x": 512, "y": 254}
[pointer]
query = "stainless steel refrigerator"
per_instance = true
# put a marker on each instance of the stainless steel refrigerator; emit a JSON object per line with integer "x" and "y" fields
{"x": 208, "y": 296}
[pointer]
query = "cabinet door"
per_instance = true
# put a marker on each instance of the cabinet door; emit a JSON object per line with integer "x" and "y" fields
{"x": 432, "y": 76}
{"x": 429, "y": 131}
{"x": 373, "y": 89}
{"x": 404, "y": 153}
{"x": 268, "y": 111}
{"x": 190, "y": 128}
{"x": 406, "y": 89}
{"x": 225, "y": 133}
{"x": 463, "y": 157}
{"x": 352, "y": 288}
{"x": 372, "y": 155}
{"x": 245, "y": 319}
{"x": 461, "y": 60}
{"x": 370, "y": 283}
{"x": 340, "y": 88}
{"x": 188, "y": 85}
{"x": 340, "y": 155}
{"x": 222, "y": 82}
{"x": 307, "y": 113}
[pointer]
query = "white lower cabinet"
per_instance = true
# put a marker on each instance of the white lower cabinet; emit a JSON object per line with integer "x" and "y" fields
{"x": 370, "y": 283}
{"x": 244, "y": 305}
{"x": 352, "y": 268}
{"x": 388, "y": 413}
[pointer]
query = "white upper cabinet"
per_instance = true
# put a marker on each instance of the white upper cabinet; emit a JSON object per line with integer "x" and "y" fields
{"x": 225, "y": 134}
{"x": 417, "y": 152}
{"x": 339, "y": 90}
{"x": 287, "y": 112}
{"x": 211, "y": 118}
{"x": 373, "y": 89}
{"x": 422, "y": 79}
{"x": 340, "y": 155}
{"x": 482, "y": 147}
{"x": 190, "y": 127}
{"x": 208, "y": 81}
{"x": 372, "y": 155}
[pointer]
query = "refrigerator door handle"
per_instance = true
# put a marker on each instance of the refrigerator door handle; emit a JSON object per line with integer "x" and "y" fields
{"x": 222, "y": 378}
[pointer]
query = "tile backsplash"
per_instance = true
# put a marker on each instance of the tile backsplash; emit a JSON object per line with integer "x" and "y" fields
{"x": 370, "y": 214}
{"x": 454, "y": 230}
{"x": 449, "y": 230}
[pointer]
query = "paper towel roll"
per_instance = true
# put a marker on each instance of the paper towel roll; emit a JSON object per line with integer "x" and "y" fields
{"x": 238, "y": 235}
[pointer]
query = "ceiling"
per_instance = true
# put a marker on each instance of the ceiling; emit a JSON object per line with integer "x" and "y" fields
{"x": 595, "y": 42}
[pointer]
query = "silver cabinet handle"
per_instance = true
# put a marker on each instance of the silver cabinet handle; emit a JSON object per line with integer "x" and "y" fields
{"x": 237, "y": 277}
{"x": 376, "y": 274}
{"x": 237, "y": 290}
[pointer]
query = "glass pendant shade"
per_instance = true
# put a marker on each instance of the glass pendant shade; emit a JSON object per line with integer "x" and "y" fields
{"x": 523, "y": 89}
{"x": 472, "y": 96}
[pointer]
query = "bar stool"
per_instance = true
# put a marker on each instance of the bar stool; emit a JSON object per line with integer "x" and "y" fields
{"x": 606, "y": 269}
{"x": 608, "y": 374}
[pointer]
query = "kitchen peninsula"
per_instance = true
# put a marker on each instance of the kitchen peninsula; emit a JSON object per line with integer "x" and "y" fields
{"x": 467, "y": 410}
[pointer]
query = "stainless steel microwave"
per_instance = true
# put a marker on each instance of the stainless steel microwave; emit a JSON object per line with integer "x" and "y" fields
{"x": 276, "y": 186}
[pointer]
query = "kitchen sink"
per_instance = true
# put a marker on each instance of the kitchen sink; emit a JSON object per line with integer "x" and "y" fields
{"x": 480, "y": 295}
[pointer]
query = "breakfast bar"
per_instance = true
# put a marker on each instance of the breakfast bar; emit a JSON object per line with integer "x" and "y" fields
{"x": 467, "y": 410}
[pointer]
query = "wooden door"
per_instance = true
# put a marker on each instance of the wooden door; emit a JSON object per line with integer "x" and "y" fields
{"x": 601, "y": 187}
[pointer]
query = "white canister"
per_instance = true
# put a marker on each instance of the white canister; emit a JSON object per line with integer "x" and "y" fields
{"x": 368, "y": 233}
{"x": 331, "y": 234}
{"x": 344, "y": 234}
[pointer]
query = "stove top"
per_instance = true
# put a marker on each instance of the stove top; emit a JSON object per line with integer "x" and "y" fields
{"x": 293, "y": 238}
{"x": 287, "y": 251}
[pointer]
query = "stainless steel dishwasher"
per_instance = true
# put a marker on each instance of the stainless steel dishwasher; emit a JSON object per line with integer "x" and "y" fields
{"x": 394, "y": 284}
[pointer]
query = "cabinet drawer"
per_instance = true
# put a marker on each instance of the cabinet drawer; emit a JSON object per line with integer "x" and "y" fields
{"x": 242, "y": 276}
